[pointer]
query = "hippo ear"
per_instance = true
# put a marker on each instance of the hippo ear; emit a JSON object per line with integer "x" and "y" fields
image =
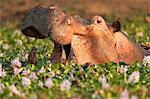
{"x": 116, "y": 26}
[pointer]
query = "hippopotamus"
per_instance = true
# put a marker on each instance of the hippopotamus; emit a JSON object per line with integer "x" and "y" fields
{"x": 101, "y": 43}
{"x": 91, "y": 41}
{"x": 42, "y": 22}
{"x": 51, "y": 22}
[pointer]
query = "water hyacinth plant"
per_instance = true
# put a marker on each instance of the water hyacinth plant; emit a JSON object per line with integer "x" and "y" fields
{"x": 2, "y": 71}
{"x": 65, "y": 85}
{"x": 48, "y": 83}
{"x": 16, "y": 62}
{"x": 44, "y": 80}
{"x": 134, "y": 77}
{"x": 146, "y": 61}
{"x": 103, "y": 80}
{"x": 33, "y": 76}
{"x": 25, "y": 82}
{"x": 14, "y": 90}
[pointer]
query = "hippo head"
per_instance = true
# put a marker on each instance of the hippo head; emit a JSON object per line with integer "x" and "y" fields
{"x": 62, "y": 32}
{"x": 99, "y": 23}
{"x": 118, "y": 47}
{"x": 100, "y": 30}
{"x": 42, "y": 22}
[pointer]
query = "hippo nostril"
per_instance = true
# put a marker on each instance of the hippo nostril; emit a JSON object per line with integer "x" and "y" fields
{"x": 99, "y": 21}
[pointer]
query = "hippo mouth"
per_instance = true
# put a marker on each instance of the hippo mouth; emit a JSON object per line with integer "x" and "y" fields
{"x": 32, "y": 32}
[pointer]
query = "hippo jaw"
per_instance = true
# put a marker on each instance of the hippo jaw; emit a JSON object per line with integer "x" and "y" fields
{"x": 61, "y": 35}
{"x": 32, "y": 32}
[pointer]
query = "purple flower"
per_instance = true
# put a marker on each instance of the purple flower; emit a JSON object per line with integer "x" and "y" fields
{"x": 134, "y": 97}
{"x": 123, "y": 69}
{"x": 5, "y": 46}
{"x": 33, "y": 76}
{"x": 17, "y": 70}
{"x": 25, "y": 82}
{"x": 71, "y": 76}
{"x": 48, "y": 83}
{"x": 124, "y": 95}
{"x": 16, "y": 62}
{"x": 134, "y": 77}
{"x": 103, "y": 80}
{"x": 65, "y": 85}
{"x": 26, "y": 72}
{"x": 14, "y": 90}
{"x": 81, "y": 69}
{"x": 2, "y": 71}
{"x": 42, "y": 70}
{"x": 146, "y": 60}
{"x": 16, "y": 65}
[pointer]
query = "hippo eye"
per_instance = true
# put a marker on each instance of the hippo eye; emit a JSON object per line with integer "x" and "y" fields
{"x": 69, "y": 21}
{"x": 99, "y": 21}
